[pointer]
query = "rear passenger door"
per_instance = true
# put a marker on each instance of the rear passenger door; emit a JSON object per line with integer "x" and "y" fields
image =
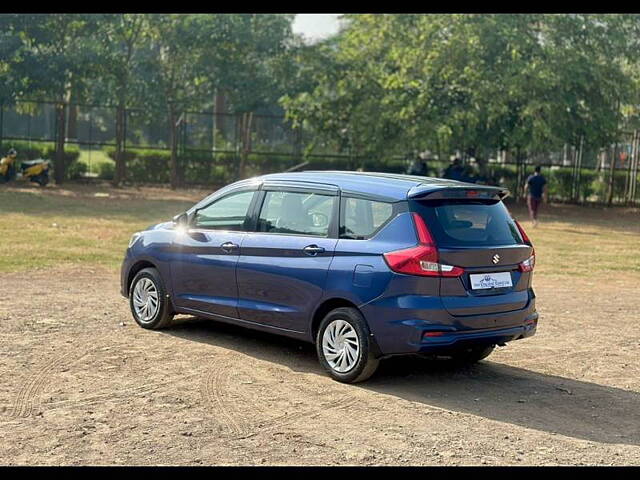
{"x": 283, "y": 264}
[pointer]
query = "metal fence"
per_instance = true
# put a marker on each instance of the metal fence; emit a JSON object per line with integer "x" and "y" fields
{"x": 92, "y": 125}
{"x": 211, "y": 140}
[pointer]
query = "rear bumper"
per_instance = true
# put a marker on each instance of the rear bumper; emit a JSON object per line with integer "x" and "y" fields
{"x": 402, "y": 327}
{"x": 454, "y": 340}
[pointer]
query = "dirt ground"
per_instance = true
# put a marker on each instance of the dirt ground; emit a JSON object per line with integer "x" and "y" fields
{"x": 81, "y": 383}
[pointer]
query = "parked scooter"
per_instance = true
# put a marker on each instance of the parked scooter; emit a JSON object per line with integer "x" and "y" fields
{"x": 35, "y": 170}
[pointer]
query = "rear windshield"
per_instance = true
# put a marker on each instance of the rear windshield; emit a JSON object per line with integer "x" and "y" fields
{"x": 467, "y": 223}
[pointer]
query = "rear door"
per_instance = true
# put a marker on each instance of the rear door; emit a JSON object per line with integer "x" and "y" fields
{"x": 481, "y": 237}
{"x": 283, "y": 265}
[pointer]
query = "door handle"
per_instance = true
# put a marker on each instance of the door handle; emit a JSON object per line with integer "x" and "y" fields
{"x": 229, "y": 247}
{"x": 313, "y": 250}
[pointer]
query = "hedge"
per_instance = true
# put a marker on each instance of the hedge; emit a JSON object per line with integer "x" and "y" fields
{"x": 152, "y": 166}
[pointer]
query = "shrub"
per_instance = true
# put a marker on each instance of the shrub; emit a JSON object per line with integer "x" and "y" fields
{"x": 76, "y": 171}
{"x": 600, "y": 184}
{"x": 106, "y": 171}
{"x": 559, "y": 185}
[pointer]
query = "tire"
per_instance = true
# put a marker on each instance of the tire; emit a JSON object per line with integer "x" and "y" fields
{"x": 348, "y": 335}
{"x": 472, "y": 354}
{"x": 146, "y": 282}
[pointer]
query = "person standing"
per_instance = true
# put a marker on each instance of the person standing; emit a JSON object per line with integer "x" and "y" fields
{"x": 455, "y": 170}
{"x": 536, "y": 186}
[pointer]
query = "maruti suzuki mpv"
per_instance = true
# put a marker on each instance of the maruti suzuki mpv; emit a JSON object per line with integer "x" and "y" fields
{"x": 363, "y": 265}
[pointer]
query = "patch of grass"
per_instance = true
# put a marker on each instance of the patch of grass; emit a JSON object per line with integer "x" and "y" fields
{"x": 93, "y": 159}
{"x": 47, "y": 227}
{"x": 40, "y": 230}
{"x": 584, "y": 241}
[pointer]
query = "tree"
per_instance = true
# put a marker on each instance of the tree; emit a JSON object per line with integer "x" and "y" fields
{"x": 472, "y": 83}
{"x": 247, "y": 60}
{"x": 175, "y": 65}
{"x": 52, "y": 64}
{"x": 118, "y": 42}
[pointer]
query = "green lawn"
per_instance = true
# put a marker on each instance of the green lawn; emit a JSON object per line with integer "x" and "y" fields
{"x": 584, "y": 241}
{"x": 71, "y": 225}
{"x": 41, "y": 229}
{"x": 93, "y": 159}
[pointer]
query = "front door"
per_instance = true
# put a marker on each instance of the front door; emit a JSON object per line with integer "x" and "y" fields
{"x": 205, "y": 256}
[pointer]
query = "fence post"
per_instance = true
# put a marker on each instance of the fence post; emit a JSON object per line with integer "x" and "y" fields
{"x": 612, "y": 170}
{"x": 627, "y": 180}
{"x": 633, "y": 178}
{"x": 182, "y": 147}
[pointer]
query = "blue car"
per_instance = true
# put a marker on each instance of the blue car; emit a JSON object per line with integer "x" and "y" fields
{"x": 364, "y": 265}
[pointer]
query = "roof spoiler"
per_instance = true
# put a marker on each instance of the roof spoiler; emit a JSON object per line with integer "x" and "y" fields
{"x": 452, "y": 192}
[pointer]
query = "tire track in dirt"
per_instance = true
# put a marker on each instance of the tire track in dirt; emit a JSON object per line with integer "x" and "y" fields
{"x": 28, "y": 397}
{"x": 216, "y": 392}
{"x": 120, "y": 395}
{"x": 212, "y": 391}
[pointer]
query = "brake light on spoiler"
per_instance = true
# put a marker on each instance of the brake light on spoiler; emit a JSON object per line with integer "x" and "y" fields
{"x": 461, "y": 191}
{"x": 421, "y": 259}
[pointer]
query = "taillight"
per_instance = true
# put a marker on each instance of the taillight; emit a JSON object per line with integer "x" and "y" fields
{"x": 421, "y": 259}
{"x": 530, "y": 262}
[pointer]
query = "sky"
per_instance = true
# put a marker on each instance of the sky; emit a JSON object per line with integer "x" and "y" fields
{"x": 315, "y": 26}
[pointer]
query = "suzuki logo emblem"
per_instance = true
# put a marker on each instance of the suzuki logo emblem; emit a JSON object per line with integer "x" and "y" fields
{"x": 496, "y": 258}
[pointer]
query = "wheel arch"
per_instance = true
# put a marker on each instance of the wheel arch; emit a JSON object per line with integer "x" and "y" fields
{"x": 324, "y": 308}
{"x": 135, "y": 268}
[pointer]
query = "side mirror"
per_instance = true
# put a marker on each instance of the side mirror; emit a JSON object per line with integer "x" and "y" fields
{"x": 181, "y": 220}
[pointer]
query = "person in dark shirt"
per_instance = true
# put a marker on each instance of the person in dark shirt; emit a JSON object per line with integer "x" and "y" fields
{"x": 536, "y": 186}
{"x": 455, "y": 171}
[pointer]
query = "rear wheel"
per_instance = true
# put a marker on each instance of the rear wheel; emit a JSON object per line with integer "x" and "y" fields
{"x": 41, "y": 180}
{"x": 148, "y": 300}
{"x": 473, "y": 354}
{"x": 344, "y": 348}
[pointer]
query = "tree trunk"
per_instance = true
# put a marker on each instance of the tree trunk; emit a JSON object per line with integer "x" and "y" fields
{"x": 72, "y": 125}
{"x": 173, "y": 143}
{"x": 120, "y": 172}
{"x": 59, "y": 163}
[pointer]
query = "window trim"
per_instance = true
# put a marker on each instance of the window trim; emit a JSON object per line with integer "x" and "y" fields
{"x": 246, "y": 224}
{"x": 332, "y": 230}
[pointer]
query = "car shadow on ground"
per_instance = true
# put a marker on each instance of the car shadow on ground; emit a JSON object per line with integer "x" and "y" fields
{"x": 488, "y": 389}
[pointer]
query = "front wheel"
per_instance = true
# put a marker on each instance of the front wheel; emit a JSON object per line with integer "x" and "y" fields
{"x": 148, "y": 299}
{"x": 344, "y": 348}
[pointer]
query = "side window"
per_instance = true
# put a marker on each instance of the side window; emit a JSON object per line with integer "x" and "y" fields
{"x": 296, "y": 213}
{"x": 361, "y": 218}
{"x": 228, "y": 213}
